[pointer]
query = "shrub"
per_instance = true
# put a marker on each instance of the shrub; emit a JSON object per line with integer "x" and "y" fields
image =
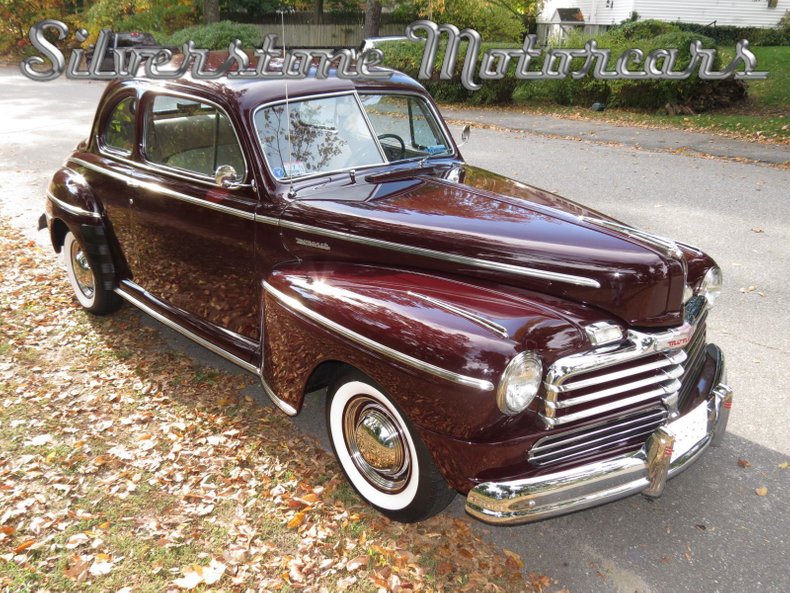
{"x": 216, "y": 36}
{"x": 700, "y": 95}
{"x": 730, "y": 35}
{"x": 640, "y": 30}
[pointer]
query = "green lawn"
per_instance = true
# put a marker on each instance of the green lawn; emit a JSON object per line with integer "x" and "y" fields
{"x": 775, "y": 91}
{"x": 763, "y": 117}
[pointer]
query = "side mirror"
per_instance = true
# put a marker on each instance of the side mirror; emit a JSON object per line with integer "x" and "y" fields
{"x": 226, "y": 176}
{"x": 467, "y": 131}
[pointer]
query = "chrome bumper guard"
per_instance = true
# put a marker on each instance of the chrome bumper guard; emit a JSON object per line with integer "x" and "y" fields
{"x": 646, "y": 471}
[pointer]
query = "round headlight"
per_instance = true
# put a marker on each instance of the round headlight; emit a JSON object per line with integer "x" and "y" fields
{"x": 711, "y": 285}
{"x": 520, "y": 383}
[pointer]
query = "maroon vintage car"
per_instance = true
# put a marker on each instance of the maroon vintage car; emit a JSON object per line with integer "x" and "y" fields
{"x": 474, "y": 333}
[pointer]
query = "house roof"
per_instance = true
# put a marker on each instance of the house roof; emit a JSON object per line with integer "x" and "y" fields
{"x": 569, "y": 15}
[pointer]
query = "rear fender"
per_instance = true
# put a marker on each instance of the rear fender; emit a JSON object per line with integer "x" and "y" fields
{"x": 437, "y": 345}
{"x": 70, "y": 199}
{"x": 71, "y": 206}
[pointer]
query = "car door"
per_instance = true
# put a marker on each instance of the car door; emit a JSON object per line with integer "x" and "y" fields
{"x": 195, "y": 239}
{"x": 108, "y": 170}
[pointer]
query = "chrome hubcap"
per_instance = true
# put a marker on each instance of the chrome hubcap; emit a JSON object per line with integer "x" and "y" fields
{"x": 376, "y": 444}
{"x": 82, "y": 270}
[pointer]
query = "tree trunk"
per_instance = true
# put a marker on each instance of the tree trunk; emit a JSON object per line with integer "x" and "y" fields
{"x": 318, "y": 11}
{"x": 372, "y": 18}
{"x": 211, "y": 11}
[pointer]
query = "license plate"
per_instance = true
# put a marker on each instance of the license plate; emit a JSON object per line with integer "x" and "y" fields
{"x": 689, "y": 430}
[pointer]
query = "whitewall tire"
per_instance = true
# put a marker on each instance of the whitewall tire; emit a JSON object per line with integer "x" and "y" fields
{"x": 381, "y": 453}
{"x": 87, "y": 285}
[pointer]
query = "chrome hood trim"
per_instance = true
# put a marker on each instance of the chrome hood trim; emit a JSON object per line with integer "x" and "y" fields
{"x": 667, "y": 246}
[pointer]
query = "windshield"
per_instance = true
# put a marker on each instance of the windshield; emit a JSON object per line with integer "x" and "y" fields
{"x": 341, "y": 132}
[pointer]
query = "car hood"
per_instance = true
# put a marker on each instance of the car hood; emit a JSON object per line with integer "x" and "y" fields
{"x": 469, "y": 222}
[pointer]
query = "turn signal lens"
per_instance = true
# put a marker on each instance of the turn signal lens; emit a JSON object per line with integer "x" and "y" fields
{"x": 603, "y": 332}
{"x": 711, "y": 285}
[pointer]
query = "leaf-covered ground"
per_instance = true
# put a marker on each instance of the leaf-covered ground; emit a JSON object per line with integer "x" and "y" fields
{"x": 126, "y": 467}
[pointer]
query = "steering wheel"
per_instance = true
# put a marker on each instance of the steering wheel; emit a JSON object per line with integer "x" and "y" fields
{"x": 400, "y": 141}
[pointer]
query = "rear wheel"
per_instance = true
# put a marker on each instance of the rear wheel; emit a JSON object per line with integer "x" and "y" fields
{"x": 380, "y": 452}
{"x": 88, "y": 289}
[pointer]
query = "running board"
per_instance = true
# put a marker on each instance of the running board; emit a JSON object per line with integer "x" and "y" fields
{"x": 282, "y": 405}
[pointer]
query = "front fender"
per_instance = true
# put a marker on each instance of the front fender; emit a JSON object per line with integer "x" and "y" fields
{"x": 436, "y": 344}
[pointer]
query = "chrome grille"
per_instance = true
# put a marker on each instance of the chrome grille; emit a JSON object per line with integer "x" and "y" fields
{"x": 584, "y": 386}
{"x": 629, "y": 432}
{"x": 695, "y": 357}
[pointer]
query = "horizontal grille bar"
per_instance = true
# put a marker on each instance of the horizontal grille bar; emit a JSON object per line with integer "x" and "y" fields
{"x": 607, "y": 381}
{"x": 631, "y": 430}
{"x": 675, "y": 358}
{"x": 626, "y": 402}
{"x": 662, "y": 376}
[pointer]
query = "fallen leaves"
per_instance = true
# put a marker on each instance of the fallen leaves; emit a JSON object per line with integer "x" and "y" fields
{"x": 752, "y": 289}
{"x": 195, "y": 575}
{"x": 296, "y": 520}
{"x": 761, "y": 491}
{"x": 102, "y": 565}
{"x": 24, "y": 546}
{"x": 38, "y": 441}
{"x": 743, "y": 463}
{"x": 126, "y": 466}
{"x": 356, "y": 563}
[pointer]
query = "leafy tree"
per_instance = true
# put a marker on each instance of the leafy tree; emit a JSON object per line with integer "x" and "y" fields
{"x": 495, "y": 20}
{"x": 157, "y": 16}
{"x": 17, "y": 16}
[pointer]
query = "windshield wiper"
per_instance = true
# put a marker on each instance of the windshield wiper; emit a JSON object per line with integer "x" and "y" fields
{"x": 413, "y": 171}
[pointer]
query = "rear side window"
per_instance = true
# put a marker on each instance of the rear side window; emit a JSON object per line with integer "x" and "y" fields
{"x": 191, "y": 136}
{"x": 119, "y": 131}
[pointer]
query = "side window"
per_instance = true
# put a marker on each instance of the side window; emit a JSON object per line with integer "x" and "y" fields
{"x": 404, "y": 125}
{"x": 119, "y": 130}
{"x": 189, "y": 135}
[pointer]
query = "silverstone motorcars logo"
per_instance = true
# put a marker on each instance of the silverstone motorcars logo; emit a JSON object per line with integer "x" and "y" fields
{"x": 157, "y": 62}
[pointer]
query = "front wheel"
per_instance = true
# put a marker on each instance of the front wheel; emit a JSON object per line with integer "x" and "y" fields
{"x": 88, "y": 288}
{"x": 381, "y": 453}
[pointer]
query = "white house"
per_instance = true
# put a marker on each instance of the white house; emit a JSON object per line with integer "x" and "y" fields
{"x": 558, "y": 16}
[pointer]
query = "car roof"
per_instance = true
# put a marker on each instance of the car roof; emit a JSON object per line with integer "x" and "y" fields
{"x": 246, "y": 94}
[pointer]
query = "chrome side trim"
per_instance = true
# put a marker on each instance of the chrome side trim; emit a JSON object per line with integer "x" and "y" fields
{"x": 72, "y": 209}
{"x": 458, "y": 259}
{"x": 296, "y": 306}
{"x": 281, "y": 404}
{"x": 668, "y": 246}
{"x": 465, "y": 313}
{"x": 155, "y": 187}
{"x": 187, "y": 333}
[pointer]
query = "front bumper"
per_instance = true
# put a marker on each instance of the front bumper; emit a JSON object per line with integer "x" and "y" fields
{"x": 646, "y": 471}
